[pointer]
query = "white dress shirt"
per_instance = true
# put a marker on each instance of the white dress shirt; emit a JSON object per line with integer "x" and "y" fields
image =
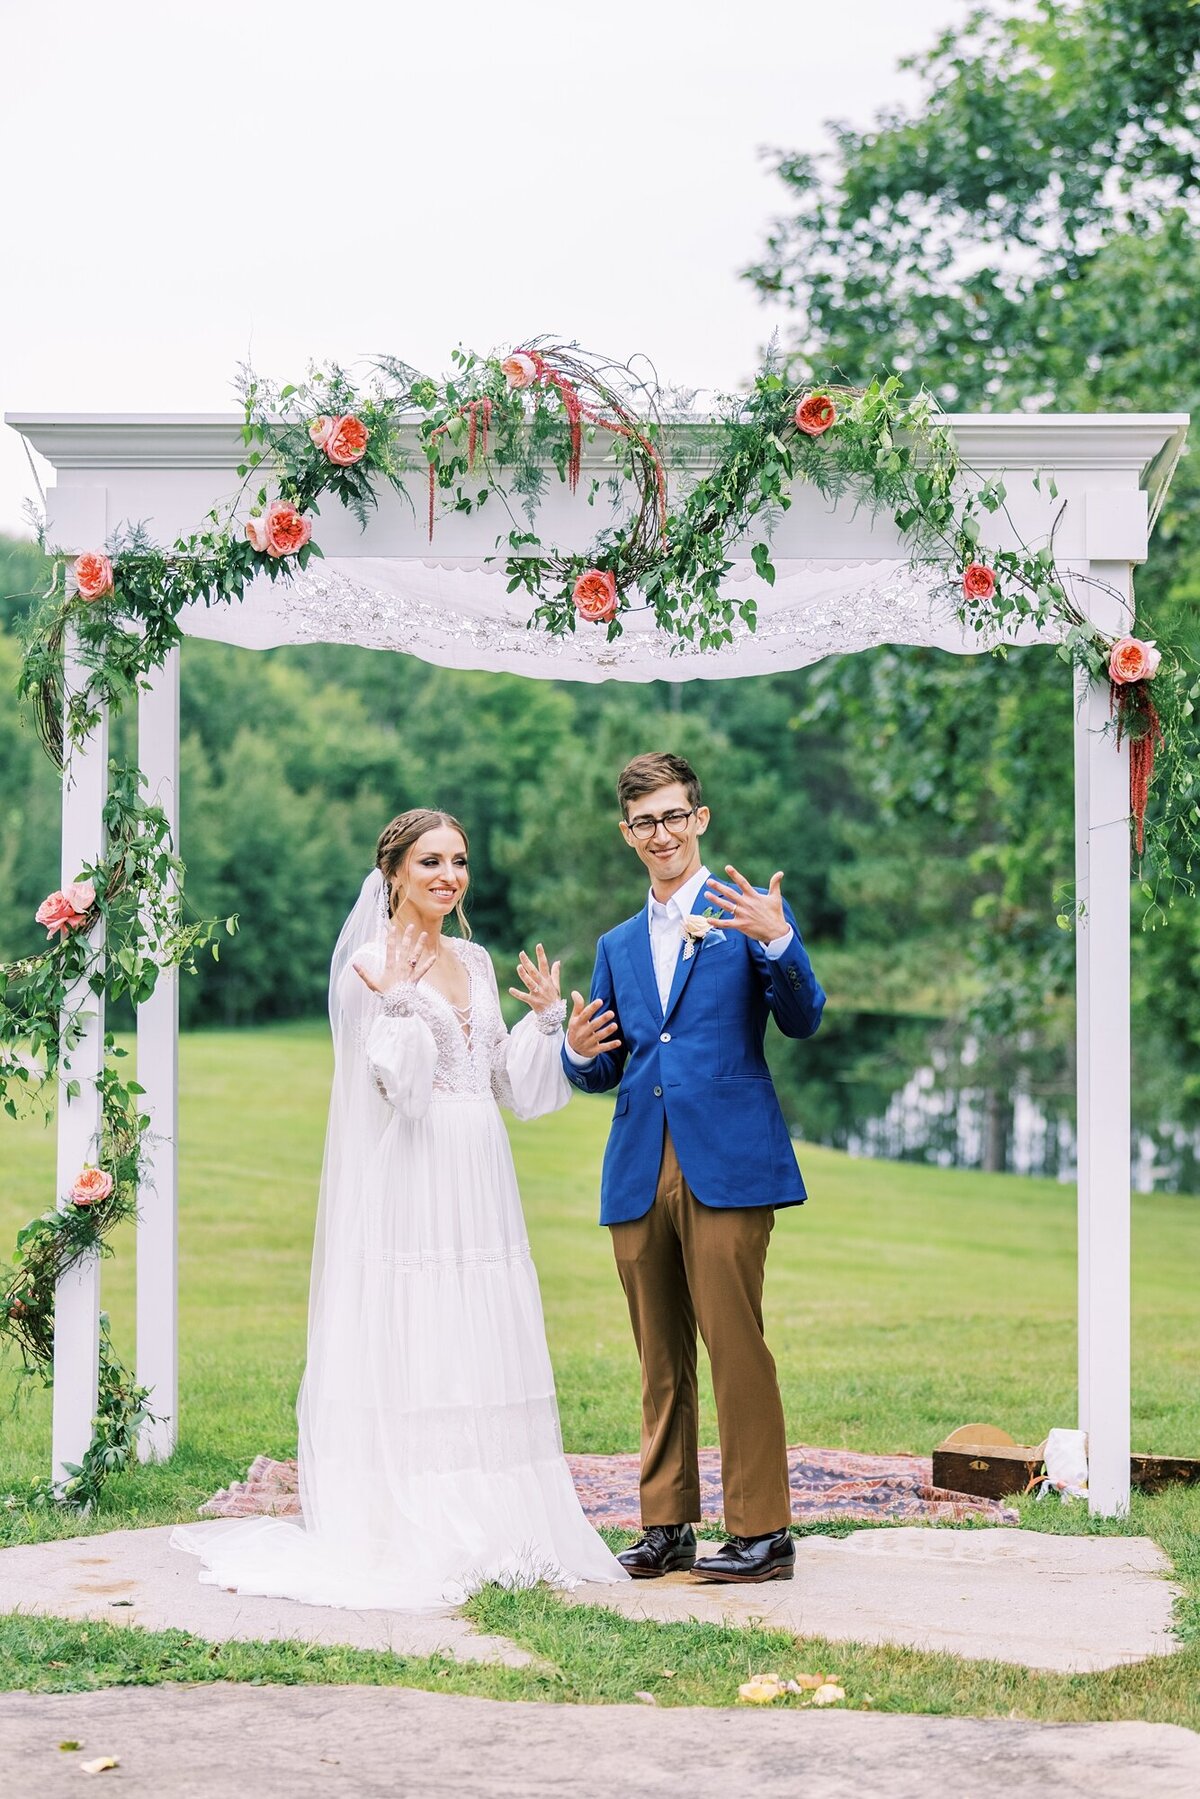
{"x": 665, "y": 921}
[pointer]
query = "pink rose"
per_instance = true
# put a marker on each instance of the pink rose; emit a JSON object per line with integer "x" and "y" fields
{"x": 595, "y": 595}
{"x": 521, "y": 369}
{"x": 280, "y": 531}
{"x": 346, "y": 441}
{"x": 815, "y": 414}
{"x": 978, "y": 582}
{"x": 91, "y": 575}
{"x": 81, "y": 895}
{"x": 1132, "y": 659}
{"x": 58, "y": 912}
{"x": 91, "y": 1186}
{"x": 320, "y": 429}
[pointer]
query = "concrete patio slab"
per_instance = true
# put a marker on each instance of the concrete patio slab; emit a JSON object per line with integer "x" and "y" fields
{"x": 184, "y": 1742}
{"x": 1071, "y": 1604}
{"x": 134, "y": 1577}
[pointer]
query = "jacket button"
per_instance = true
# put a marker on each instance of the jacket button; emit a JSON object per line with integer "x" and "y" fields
{"x": 658, "y": 1093}
{"x": 666, "y": 1037}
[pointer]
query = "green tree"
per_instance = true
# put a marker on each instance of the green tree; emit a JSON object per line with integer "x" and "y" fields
{"x": 1024, "y": 236}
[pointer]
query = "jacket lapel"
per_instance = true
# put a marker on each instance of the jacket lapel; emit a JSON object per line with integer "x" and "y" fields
{"x": 684, "y": 965}
{"x": 638, "y": 930}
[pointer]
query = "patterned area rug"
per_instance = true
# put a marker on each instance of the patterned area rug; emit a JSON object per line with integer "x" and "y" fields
{"x": 826, "y": 1483}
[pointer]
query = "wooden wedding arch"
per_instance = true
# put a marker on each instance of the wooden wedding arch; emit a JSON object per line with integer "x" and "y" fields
{"x": 843, "y": 583}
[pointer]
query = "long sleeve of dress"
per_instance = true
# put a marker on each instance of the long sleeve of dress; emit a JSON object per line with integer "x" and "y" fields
{"x": 402, "y": 1055}
{"x": 527, "y": 1072}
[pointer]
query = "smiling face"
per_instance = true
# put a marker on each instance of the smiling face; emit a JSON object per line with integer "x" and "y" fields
{"x": 434, "y": 876}
{"x": 670, "y": 851}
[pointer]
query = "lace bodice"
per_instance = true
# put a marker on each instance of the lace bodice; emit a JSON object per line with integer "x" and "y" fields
{"x": 467, "y": 1051}
{"x": 467, "y": 1038}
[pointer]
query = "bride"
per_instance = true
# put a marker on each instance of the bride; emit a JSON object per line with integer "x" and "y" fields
{"x": 430, "y": 1458}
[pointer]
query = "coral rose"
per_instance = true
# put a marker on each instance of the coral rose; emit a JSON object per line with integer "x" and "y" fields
{"x": 91, "y": 1186}
{"x": 59, "y": 914}
{"x": 978, "y": 582}
{"x": 91, "y": 576}
{"x": 521, "y": 369}
{"x": 1132, "y": 659}
{"x": 595, "y": 595}
{"x": 346, "y": 442}
{"x": 815, "y": 414}
{"x": 280, "y": 531}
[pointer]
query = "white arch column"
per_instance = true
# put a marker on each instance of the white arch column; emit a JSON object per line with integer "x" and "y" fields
{"x": 158, "y": 1074}
{"x": 77, "y": 1293}
{"x": 1102, "y": 877}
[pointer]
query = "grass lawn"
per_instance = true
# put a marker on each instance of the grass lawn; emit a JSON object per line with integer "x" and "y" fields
{"x": 901, "y": 1301}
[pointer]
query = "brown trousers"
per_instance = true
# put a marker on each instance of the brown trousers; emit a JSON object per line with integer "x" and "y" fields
{"x": 682, "y": 1265}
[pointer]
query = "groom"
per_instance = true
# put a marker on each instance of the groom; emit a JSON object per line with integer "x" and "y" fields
{"x": 698, "y": 1160}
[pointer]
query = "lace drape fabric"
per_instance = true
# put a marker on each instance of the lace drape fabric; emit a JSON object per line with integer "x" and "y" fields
{"x": 458, "y": 613}
{"x": 430, "y": 1456}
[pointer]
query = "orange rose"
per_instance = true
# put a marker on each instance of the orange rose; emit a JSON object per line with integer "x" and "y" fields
{"x": 521, "y": 369}
{"x": 281, "y": 530}
{"x": 91, "y": 575}
{"x": 60, "y": 914}
{"x": 91, "y": 1185}
{"x": 1132, "y": 659}
{"x": 595, "y": 596}
{"x": 978, "y": 582}
{"x": 346, "y": 442}
{"x": 815, "y": 414}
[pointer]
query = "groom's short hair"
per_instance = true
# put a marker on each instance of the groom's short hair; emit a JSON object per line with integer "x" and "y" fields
{"x": 646, "y": 774}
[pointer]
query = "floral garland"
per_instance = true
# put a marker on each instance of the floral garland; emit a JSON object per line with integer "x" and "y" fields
{"x": 134, "y": 892}
{"x": 486, "y": 434}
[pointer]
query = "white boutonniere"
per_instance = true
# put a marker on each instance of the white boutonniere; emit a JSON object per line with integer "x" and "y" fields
{"x": 696, "y": 927}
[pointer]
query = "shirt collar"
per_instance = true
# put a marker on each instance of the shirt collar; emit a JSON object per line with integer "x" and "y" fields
{"x": 681, "y": 901}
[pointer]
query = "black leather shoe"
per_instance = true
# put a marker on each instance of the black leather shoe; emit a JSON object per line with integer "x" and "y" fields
{"x": 751, "y": 1559}
{"x": 664, "y": 1549}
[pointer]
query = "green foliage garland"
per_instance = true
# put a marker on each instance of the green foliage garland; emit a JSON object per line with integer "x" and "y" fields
{"x": 486, "y": 434}
{"x": 138, "y": 902}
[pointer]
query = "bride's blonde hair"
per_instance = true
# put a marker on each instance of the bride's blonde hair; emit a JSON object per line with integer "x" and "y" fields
{"x": 397, "y": 839}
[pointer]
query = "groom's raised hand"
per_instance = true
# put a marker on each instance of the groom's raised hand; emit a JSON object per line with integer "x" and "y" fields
{"x": 757, "y": 915}
{"x": 591, "y": 1031}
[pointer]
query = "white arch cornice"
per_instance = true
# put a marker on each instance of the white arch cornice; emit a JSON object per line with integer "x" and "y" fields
{"x": 1145, "y": 443}
{"x": 1111, "y": 471}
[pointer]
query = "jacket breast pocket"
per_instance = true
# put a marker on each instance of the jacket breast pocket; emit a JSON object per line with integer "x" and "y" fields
{"x": 622, "y": 1105}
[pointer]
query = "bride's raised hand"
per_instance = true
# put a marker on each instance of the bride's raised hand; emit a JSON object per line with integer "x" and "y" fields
{"x": 542, "y": 988}
{"x": 408, "y": 958}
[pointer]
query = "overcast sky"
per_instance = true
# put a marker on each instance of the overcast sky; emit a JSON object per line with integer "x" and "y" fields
{"x": 190, "y": 185}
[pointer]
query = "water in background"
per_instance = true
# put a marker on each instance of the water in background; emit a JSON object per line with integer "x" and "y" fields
{"x": 908, "y": 1090}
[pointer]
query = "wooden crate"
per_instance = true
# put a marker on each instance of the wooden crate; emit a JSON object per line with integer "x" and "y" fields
{"x": 982, "y": 1459}
{"x": 1153, "y": 1472}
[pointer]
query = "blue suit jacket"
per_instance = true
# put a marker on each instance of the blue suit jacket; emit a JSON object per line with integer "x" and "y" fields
{"x": 700, "y": 1066}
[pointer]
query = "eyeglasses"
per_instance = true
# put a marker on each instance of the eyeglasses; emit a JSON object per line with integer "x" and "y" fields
{"x": 644, "y": 827}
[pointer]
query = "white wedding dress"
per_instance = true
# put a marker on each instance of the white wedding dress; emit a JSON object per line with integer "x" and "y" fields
{"x": 430, "y": 1457}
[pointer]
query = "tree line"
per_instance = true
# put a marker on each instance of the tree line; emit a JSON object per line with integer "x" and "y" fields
{"x": 1026, "y": 237}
